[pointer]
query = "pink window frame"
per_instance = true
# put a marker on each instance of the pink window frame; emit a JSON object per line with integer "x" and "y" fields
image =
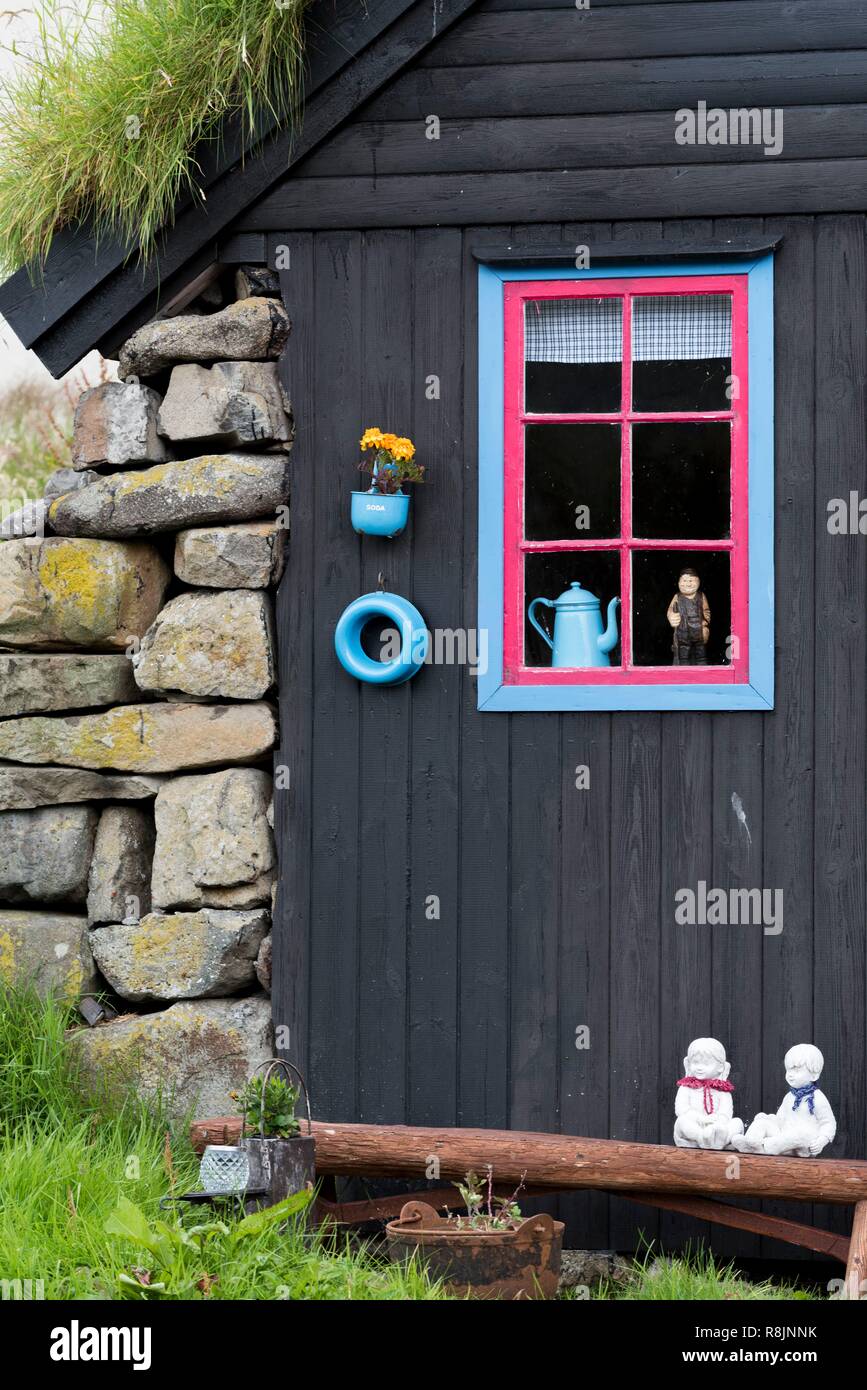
{"x": 516, "y": 293}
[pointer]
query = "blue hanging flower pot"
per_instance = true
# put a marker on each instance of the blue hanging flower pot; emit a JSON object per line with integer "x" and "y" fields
{"x": 380, "y": 513}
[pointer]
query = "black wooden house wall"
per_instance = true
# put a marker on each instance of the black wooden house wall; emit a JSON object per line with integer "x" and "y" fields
{"x": 557, "y": 905}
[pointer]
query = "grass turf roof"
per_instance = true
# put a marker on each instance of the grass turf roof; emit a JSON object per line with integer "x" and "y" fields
{"x": 102, "y": 121}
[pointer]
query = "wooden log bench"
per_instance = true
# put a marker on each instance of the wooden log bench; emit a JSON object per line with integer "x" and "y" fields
{"x": 689, "y": 1181}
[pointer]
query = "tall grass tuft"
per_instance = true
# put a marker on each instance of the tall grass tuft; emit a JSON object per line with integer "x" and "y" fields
{"x": 104, "y": 121}
{"x": 696, "y": 1276}
{"x": 37, "y": 1078}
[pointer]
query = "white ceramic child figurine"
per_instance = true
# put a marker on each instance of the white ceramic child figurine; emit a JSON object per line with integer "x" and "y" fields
{"x": 703, "y": 1105}
{"x": 804, "y": 1124}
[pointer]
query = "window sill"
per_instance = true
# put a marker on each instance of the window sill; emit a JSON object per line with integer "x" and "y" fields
{"x": 695, "y": 696}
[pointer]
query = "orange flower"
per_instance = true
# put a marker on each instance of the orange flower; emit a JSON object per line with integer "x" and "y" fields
{"x": 403, "y": 449}
{"x": 372, "y": 439}
{"x": 397, "y": 445}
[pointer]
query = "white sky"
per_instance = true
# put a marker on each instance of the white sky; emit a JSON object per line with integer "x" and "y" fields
{"x": 18, "y": 28}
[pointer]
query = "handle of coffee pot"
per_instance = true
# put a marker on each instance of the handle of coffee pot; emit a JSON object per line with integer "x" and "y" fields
{"x": 549, "y": 603}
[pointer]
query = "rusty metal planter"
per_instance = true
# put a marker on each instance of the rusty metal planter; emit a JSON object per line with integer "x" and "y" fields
{"x": 279, "y": 1167}
{"x": 524, "y": 1263}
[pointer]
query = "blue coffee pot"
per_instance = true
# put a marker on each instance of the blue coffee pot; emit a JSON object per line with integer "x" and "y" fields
{"x": 578, "y": 636}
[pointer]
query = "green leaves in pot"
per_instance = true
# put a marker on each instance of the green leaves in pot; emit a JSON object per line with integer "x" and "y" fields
{"x": 268, "y": 1107}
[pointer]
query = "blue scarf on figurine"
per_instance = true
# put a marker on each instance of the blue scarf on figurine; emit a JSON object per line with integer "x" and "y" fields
{"x": 804, "y": 1093}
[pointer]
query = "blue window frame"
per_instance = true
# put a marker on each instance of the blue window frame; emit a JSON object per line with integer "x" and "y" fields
{"x": 497, "y": 689}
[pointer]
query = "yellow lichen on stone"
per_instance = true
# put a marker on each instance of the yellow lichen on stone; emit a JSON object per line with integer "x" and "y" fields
{"x": 170, "y": 945}
{"x": 202, "y": 477}
{"x": 47, "y": 950}
{"x": 211, "y": 475}
{"x": 136, "y": 479}
{"x": 118, "y": 739}
{"x": 155, "y": 935}
{"x": 78, "y": 575}
{"x": 143, "y": 738}
{"x": 78, "y": 591}
{"x": 72, "y": 986}
{"x": 7, "y": 957}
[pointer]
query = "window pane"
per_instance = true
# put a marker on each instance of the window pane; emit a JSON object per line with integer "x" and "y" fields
{"x": 681, "y": 481}
{"x": 572, "y": 349}
{"x": 681, "y": 352}
{"x": 572, "y": 482}
{"x": 549, "y": 575}
{"x": 654, "y": 585}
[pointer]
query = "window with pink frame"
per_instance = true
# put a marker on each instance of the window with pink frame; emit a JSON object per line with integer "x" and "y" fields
{"x": 626, "y": 463}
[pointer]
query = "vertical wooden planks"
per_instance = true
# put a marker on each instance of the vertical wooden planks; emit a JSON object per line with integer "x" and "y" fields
{"x": 334, "y": 579}
{"x": 686, "y": 983}
{"x": 736, "y": 1003}
{"x": 534, "y": 891}
{"x": 788, "y": 965}
{"x": 384, "y": 735}
{"x": 437, "y": 565}
{"x": 738, "y": 863}
{"x": 635, "y": 830}
{"x": 584, "y": 962}
{"x": 634, "y": 1080}
{"x": 485, "y": 801}
{"x": 584, "y": 965}
{"x": 841, "y": 603}
{"x": 294, "y": 621}
{"x": 686, "y": 849}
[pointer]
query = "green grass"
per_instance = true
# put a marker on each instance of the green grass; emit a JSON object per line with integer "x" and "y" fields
{"x": 72, "y": 1164}
{"x": 695, "y": 1276}
{"x": 103, "y": 122}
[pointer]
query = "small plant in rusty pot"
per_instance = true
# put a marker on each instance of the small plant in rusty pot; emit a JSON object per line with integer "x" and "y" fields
{"x": 282, "y": 1159}
{"x": 492, "y": 1251}
{"x": 485, "y": 1211}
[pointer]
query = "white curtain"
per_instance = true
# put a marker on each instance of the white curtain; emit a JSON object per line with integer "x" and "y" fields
{"x": 665, "y": 327}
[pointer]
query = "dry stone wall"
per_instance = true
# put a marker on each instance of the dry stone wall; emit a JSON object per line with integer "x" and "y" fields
{"x": 137, "y": 711}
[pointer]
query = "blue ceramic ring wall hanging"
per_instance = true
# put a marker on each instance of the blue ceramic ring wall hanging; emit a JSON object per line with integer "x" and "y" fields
{"x": 410, "y": 625}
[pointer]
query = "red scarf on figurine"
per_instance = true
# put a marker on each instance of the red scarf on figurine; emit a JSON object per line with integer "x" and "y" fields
{"x": 711, "y": 1084}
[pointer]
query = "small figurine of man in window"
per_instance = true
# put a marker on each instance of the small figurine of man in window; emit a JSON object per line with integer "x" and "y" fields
{"x": 689, "y": 615}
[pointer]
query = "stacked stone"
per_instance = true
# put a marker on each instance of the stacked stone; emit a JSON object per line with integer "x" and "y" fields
{"x": 137, "y": 675}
